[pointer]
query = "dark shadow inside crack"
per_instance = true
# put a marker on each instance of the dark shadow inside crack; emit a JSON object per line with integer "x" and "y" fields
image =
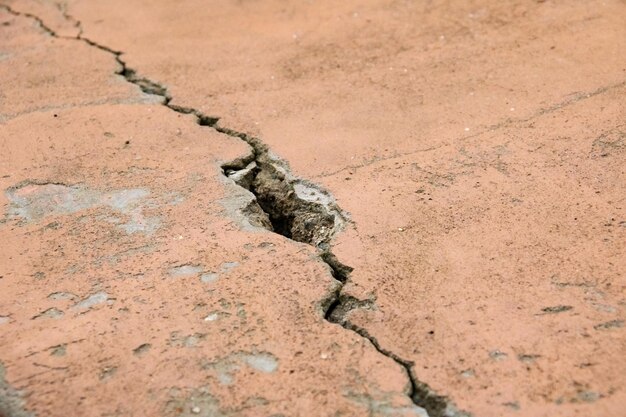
{"x": 297, "y": 209}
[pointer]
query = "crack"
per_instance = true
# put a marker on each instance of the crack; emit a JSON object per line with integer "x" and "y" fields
{"x": 296, "y": 208}
{"x": 285, "y": 204}
{"x": 508, "y": 122}
{"x": 37, "y": 20}
{"x": 62, "y": 8}
{"x": 420, "y": 393}
{"x": 378, "y": 159}
{"x": 572, "y": 100}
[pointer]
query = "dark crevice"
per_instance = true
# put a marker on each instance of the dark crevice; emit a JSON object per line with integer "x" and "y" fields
{"x": 37, "y": 20}
{"x": 297, "y": 209}
{"x": 420, "y": 393}
{"x": 339, "y": 309}
{"x": 146, "y": 85}
{"x": 340, "y": 271}
{"x": 292, "y": 207}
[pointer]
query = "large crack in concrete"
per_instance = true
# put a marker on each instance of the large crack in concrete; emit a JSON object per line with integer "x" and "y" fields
{"x": 285, "y": 204}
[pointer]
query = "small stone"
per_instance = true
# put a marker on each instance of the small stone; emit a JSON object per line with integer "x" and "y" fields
{"x": 195, "y": 410}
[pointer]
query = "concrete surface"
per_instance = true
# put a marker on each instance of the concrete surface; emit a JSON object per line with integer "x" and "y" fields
{"x": 449, "y": 177}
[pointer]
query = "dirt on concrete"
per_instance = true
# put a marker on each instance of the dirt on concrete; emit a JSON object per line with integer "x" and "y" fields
{"x": 445, "y": 181}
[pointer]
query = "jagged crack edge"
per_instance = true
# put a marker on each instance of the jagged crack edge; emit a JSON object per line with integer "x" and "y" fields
{"x": 419, "y": 392}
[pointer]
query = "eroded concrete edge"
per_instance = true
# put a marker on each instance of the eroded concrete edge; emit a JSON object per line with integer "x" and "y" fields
{"x": 285, "y": 204}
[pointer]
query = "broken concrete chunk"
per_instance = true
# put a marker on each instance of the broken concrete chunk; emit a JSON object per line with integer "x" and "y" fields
{"x": 244, "y": 177}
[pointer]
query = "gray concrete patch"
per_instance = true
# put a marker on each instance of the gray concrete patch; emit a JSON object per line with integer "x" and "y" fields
{"x": 264, "y": 362}
{"x": 225, "y": 267}
{"x": 208, "y": 277}
{"x": 198, "y": 403}
{"x": 92, "y": 300}
{"x": 51, "y": 313}
{"x": 62, "y": 296}
{"x": 32, "y": 201}
{"x": 11, "y": 402}
{"x": 384, "y": 407}
{"x": 226, "y": 367}
{"x": 184, "y": 271}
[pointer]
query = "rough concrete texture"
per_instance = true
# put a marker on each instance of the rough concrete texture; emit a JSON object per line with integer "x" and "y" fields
{"x": 477, "y": 150}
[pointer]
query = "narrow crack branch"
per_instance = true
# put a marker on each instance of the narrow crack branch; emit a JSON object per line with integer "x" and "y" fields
{"x": 285, "y": 204}
{"x": 420, "y": 393}
{"x": 62, "y": 7}
{"x": 37, "y": 20}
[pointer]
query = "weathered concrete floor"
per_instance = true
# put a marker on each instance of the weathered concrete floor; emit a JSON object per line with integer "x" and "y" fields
{"x": 478, "y": 149}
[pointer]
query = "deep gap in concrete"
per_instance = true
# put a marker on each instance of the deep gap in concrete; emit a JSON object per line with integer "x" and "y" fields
{"x": 289, "y": 206}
